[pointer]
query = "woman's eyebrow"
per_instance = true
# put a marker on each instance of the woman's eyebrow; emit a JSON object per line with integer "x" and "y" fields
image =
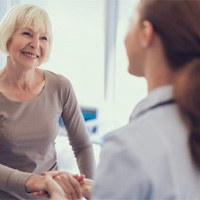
{"x": 30, "y": 29}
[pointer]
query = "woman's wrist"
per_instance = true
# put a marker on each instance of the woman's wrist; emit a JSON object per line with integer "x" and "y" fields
{"x": 34, "y": 183}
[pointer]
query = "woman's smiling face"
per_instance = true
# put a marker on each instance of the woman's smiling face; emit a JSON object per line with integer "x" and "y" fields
{"x": 28, "y": 48}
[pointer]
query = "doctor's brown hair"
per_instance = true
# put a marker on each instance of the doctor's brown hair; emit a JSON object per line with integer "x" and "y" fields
{"x": 177, "y": 24}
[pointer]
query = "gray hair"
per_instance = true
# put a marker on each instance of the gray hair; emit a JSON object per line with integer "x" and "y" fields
{"x": 20, "y": 16}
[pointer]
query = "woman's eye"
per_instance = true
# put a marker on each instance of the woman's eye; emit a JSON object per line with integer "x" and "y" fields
{"x": 26, "y": 33}
{"x": 44, "y": 38}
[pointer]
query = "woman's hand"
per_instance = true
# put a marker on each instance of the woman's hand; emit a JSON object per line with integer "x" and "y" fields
{"x": 35, "y": 183}
{"x": 54, "y": 190}
{"x": 70, "y": 185}
{"x": 46, "y": 186}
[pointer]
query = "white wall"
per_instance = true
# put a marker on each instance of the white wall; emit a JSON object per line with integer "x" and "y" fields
{"x": 78, "y": 53}
{"x": 78, "y": 46}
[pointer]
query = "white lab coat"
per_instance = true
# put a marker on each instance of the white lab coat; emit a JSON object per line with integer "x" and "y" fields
{"x": 150, "y": 157}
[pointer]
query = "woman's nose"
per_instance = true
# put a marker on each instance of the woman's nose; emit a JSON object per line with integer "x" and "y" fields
{"x": 35, "y": 43}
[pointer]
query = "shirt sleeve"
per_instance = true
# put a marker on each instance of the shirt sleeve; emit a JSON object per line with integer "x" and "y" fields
{"x": 119, "y": 175}
{"x": 77, "y": 133}
{"x": 12, "y": 179}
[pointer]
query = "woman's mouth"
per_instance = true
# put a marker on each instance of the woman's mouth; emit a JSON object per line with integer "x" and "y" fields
{"x": 30, "y": 55}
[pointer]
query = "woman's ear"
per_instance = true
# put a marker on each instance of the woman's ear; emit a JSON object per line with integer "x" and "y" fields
{"x": 147, "y": 34}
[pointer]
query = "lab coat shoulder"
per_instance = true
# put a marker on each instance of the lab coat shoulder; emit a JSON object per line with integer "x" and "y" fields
{"x": 129, "y": 163}
{"x": 121, "y": 174}
{"x": 140, "y": 139}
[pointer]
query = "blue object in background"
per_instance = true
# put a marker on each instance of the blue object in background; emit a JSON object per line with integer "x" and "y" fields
{"x": 89, "y": 115}
{"x": 60, "y": 121}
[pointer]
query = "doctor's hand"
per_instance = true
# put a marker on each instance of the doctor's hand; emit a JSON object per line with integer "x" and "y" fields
{"x": 86, "y": 185}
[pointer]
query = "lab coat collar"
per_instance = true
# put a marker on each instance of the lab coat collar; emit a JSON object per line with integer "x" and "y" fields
{"x": 156, "y": 96}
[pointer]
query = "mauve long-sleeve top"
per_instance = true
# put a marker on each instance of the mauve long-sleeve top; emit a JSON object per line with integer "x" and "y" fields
{"x": 28, "y": 131}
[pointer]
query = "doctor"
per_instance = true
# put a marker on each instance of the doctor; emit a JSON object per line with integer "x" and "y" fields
{"x": 157, "y": 155}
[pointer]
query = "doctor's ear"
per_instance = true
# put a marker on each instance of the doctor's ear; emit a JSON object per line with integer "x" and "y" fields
{"x": 147, "y": 34}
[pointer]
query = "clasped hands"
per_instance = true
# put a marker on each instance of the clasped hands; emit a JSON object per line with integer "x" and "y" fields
{"x": 58, "y": 185}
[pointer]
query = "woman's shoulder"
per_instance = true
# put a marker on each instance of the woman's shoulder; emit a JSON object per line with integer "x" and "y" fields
{"x": 52, "y": 76}
{"x": 57, "y": 81}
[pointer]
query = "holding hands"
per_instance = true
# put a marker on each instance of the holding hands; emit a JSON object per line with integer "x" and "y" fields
{"x": 59, "y": 185}
{"x": 74, "y": 186}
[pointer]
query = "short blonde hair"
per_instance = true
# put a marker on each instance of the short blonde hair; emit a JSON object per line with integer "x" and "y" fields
{"x": 20, "y": 16}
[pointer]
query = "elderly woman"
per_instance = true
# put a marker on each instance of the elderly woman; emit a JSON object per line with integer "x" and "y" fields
{"x": 31, "y": 102}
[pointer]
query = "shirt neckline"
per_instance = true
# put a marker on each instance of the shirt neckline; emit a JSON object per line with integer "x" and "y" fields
{"x": 31, "y": 100}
